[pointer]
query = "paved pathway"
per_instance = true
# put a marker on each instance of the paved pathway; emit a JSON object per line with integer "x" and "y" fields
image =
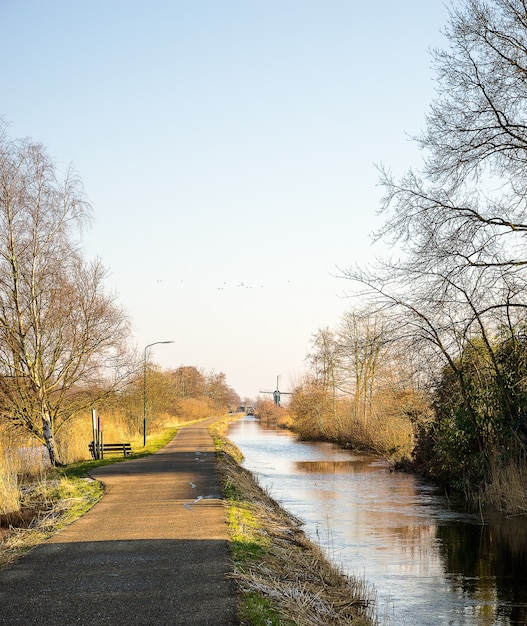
{"x": 153, "y": 551}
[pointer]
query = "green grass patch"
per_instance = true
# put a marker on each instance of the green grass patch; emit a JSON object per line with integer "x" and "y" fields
{"x": 76, "y": 496}
{"x": 248, "y": 545}
{"x": 246, "y": 541}
{"x": 221, "y": 442}
{"x": 257, "y": 610}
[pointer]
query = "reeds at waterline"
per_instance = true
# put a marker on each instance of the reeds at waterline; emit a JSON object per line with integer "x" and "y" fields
{"x": 20, "y": 458}
{"x": 506, "y": 488}
{"x": 9, "y": 492}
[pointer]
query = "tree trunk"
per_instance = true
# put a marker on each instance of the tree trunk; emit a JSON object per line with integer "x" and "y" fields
{"x": 50, "y": 443}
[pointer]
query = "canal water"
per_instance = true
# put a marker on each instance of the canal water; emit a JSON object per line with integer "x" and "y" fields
{"x": 430, "y": 562}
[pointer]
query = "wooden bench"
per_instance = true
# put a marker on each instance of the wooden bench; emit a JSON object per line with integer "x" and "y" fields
{"x": 125, "y": 448}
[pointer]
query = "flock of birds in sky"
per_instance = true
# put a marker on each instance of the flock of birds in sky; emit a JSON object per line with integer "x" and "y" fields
{"x": 239, "y": 285}
{"x": 226, "y": 285}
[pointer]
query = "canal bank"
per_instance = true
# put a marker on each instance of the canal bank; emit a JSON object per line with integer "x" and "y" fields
{"x": 430, "y": 562}
{"x": 284, "y": 578}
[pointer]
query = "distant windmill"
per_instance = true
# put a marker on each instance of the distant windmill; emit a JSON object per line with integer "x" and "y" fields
{"x": 277, "y": 393}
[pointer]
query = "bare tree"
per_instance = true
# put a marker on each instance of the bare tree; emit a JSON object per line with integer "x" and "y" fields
{"x": 325, "y": 362}
{"x": 468, "y": 204}
{"x": 363, "y": 341}
{"x": 62, "y": 337}
{"x": 461, "y": 221}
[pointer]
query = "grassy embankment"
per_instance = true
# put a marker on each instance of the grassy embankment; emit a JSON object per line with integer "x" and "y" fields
{"x": 283, "y": 577}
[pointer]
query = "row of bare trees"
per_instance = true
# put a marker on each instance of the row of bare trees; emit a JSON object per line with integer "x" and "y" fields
{"x": 361, "y": 390}
{"x": 456, "y": 292}
{"x": 174, "y": 395}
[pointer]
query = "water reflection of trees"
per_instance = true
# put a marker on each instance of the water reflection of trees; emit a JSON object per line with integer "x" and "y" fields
{"x": 489, "y": 563}
{"x": 356, "y": 466}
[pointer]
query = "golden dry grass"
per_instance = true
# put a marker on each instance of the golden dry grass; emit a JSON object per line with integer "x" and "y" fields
{"x": 20, "y": 458}
{"x": 506, "y": 491}
{"x": 73, "y": 438}
{"x": 46, "y": 507}
{"x": 386, "y": 428}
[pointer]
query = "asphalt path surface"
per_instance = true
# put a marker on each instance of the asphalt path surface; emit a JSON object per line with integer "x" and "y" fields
{"x": 152, "y": 551}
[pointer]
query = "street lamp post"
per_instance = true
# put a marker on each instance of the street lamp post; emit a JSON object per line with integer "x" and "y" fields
{"x": 144, "y": 387}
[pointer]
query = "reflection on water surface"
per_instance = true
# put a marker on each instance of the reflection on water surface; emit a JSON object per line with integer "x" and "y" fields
{"x": 332, "y": 467}
{"x": 431, "y": 564}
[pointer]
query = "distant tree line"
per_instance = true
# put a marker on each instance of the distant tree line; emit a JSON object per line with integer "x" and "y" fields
{"x": 174, "y": 395}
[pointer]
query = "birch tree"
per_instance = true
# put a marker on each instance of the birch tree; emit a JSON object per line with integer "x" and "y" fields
{"x": 62, "y": 336}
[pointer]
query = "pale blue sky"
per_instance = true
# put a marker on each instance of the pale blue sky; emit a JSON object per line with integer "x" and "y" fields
{"x": 228, "y": 150}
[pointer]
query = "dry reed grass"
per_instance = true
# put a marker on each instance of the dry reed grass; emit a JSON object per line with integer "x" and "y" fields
{"x": 271, "y": 415}
{"x": 385, "y": 428}
{"x": 74, "y": 437}
{"x": 9, "y": 492}
{"x": 292, "y": 572}
{"x": 506, "y": 491}
{"x": 390, "y": 436}
{"x": 21, "y": 459}
{"x": 46, "y": 507}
